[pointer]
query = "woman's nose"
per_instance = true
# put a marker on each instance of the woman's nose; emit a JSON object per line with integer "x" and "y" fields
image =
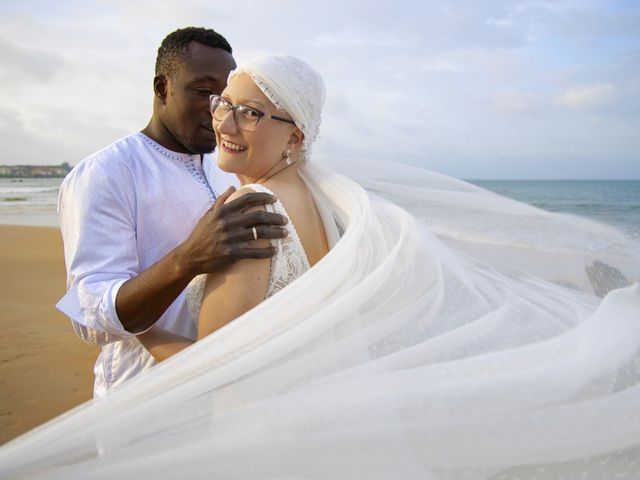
{"x": 227, "y": 124}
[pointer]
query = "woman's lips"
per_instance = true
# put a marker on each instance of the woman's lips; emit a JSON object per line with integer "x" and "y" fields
{"x": 231, "y": 147}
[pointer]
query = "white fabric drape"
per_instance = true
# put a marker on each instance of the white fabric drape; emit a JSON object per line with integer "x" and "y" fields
{"x": 472, "y": 338}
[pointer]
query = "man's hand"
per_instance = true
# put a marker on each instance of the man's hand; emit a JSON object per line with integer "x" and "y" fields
{"x": 219, "y": 239}
{"x": 221, "y": 236}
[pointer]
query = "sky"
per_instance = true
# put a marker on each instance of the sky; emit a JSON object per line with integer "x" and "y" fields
{"x": 470, "y": 88}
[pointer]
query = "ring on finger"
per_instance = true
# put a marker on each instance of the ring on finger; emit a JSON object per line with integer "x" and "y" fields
{"x": 255, "y": 233}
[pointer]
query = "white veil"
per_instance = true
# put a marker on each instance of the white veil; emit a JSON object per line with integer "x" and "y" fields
{"x": 449, "y": 334}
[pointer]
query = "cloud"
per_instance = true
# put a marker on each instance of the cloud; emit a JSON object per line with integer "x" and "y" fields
{"x": 516, "y": 102}
{"x": 591, "y": 96}
{"x": 20, "y": 63}
{"x": 475, "y": 88}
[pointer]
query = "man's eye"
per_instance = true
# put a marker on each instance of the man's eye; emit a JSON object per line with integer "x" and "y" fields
{"x": 204, "y": 92}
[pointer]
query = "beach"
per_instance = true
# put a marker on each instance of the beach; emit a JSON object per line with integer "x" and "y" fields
{"x": 44, "y": 368}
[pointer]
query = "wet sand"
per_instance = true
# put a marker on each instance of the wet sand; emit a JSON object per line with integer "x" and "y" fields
{"x": 44, "y": 368}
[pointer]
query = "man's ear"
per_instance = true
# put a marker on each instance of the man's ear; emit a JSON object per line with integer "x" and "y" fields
{"x": 160, "y": 87}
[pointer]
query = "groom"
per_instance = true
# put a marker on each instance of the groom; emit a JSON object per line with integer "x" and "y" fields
{"x": 145, "y": 215}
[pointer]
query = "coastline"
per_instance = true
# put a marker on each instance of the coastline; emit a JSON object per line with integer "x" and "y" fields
{"x": 31, "y": 219}
{"x": 44, "y": 368}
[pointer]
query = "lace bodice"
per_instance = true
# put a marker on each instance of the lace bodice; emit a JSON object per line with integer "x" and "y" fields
{"x": 289, "y": 262}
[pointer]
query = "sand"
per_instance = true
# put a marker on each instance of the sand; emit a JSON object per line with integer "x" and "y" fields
{"x": 44, "y": 368}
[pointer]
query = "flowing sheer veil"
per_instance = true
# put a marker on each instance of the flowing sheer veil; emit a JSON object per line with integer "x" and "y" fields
{"x": 449, "y": 334}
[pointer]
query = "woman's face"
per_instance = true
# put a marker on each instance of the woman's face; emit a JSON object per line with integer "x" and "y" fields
{"x": 251, "y": 154}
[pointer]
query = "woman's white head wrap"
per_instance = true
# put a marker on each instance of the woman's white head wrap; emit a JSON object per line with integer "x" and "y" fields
{"x": 293, "y": 86}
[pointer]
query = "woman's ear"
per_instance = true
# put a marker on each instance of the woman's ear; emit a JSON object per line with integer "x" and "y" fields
{"x": 296, "y": 137}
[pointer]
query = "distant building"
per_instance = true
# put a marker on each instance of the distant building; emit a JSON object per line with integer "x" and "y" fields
{"x": 31, "y": 171}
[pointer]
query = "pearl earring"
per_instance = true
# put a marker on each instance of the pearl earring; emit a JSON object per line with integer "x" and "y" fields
{"x": 288, "y": 157}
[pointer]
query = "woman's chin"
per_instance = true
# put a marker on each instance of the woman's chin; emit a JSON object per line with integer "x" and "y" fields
{"x": 226, "y": 164}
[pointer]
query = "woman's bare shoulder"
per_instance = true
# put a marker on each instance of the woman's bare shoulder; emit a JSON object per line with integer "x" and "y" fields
{"x": 241, "y": 192}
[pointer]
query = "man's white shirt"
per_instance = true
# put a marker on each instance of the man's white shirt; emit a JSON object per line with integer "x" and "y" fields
{"x": 121, "y": 210}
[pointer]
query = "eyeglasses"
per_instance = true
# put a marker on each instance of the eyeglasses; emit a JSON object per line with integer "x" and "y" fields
{"x": 246, "y": 118}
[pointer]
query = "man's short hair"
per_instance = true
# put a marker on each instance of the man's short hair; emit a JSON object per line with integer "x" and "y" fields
{"x": 174, "y": 49}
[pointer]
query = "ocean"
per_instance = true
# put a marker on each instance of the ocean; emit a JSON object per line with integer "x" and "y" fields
{"x": 616, "y": 202}
{"x": 29, "y": 201}
{"x": 32, "y": 201}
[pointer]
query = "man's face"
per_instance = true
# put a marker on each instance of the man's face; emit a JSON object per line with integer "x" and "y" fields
{"x": 186, "y": 112}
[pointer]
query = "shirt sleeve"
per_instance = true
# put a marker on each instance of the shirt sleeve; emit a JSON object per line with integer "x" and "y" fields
{"x": 98, "y": 226}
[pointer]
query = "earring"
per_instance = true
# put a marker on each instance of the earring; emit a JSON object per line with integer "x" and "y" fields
{"x": 288, "y": 157}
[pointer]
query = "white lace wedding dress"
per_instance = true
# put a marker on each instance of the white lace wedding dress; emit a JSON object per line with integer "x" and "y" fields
{"x": 289, "y": 262}
{"x": 449, "y": 334}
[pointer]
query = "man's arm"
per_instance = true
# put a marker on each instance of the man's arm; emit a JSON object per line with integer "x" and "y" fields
{"x": 225, "y": 297}
{"x": 99, "y": 229}
{"x": 218, "y": 240}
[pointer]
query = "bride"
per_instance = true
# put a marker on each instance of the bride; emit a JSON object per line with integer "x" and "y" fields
{"x": 263, "y": 146}
{"x": 443, "y": 332}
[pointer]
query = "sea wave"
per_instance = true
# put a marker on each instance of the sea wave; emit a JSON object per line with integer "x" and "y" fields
{"x": 12, "y": 190}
